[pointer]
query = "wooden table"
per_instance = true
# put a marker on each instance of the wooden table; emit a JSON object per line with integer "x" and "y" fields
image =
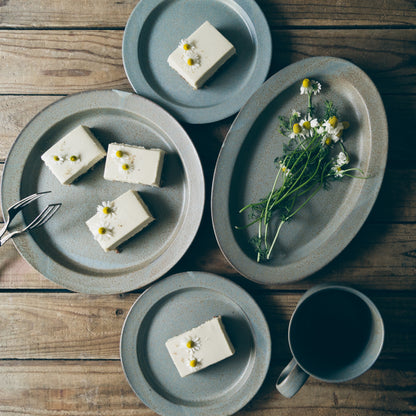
{"x": 59, "y": 351}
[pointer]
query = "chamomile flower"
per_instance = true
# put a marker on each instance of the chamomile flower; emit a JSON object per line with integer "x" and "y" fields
{"x": 295, "y": 113}
{"x": 126, "y": 167}
{"x": 59, "y": 158}
{"x": 75, "y": 158}
{"x": 192, "y": 344}
{"x": 284, "y": 169}
{"x": 185, "y": 45}
{"x": 342, "y": 159}
{"x": 334, "y": 129}
{"x": 103, "y": 232}
{"x": 296, "y": 131}
{"x": 119, "y": 154}
{"x": 308, "y": 124}
{"x": 337, "y": 171}
{"x": 106, "y": 209}
{"x": 192, "y": 59}
{"x": 310, "y": 87}
{"x": 325, "y": 140}
{"x": 316, "y": 87}
{"x": 193, "y": 363}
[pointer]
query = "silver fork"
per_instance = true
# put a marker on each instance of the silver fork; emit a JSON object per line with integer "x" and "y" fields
{"x": 47, "y": 213}
{"x": 17, "y": 207}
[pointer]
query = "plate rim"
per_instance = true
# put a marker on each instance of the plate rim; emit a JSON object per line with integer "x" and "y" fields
{"x": 27, "y": 246}
{"x": 198, "y": 279}
{"x": 182, "y": 112}
{"x": 285, "y": 78}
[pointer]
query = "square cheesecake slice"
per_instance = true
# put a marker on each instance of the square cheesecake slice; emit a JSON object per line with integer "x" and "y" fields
{"x": 134, "y": 164}
{"x": 200, "y": 55}
{"x": 200, "y": 347}
{"x": 73, "y": 155}
{"x": 117, "y": 221}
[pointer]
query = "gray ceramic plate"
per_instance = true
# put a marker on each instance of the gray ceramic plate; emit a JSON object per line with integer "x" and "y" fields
{"x": 64, "y": 250}
{"x": 154, "y": 30}
{"x": 245, "y": 171}
{"x": 175, "y": 305}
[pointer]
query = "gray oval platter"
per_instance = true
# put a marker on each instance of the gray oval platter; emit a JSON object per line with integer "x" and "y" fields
{"x": 245, "y": 171}
{"x": 64, "y": 250}
{"x": 154, "y": 30}
{"x": 175, "y": 305}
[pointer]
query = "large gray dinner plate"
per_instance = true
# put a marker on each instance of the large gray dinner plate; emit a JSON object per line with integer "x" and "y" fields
{"x": 154, "y": 30}
{"x": 175, "y": 305}
{"x": 245, "y": 171}
{"x": 64, "y": 250}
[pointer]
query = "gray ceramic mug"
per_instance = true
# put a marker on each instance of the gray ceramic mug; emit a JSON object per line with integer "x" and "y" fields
{"x": 335, "y": 334}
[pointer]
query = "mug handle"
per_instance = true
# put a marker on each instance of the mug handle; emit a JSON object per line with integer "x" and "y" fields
{"x": 291, "y": 379}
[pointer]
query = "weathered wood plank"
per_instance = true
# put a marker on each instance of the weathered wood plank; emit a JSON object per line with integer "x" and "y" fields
{"x": 99, "y": 387}
{"x": 62, "y": 13}
{"x": 62, "y": 325}
{"x": 61, "y": 62}
{"x": 16, "y": 273}
{"x": 386, "y": 55}
{"x": 107, "y": 13}
{"x": 381, "y": 257}
{"x": 73, "y": 326}
{"x": 15, "y": 113}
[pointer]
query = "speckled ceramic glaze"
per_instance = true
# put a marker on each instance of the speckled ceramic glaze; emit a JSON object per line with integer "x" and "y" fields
{"x": 64, "y": 250}
{"x": 171, "y": 307}
{"x": 245, "y": 171}
{"x": 155, "y": 29}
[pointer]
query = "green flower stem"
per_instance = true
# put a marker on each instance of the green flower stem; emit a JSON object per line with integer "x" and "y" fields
{"x": 274, "y": 240}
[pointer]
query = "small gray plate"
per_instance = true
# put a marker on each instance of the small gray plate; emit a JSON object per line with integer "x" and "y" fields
{"x": 245, "y": 171}
{"x": 175, "y": 305}
{"x": 64, "y": 250}
{"x": 154, "y": 30}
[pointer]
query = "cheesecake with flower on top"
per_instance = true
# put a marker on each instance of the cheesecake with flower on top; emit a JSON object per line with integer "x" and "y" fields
{"x": 73, "y": 155}
{"x": 200, "y": 55}
{"x": 134, "y": 164}
{"x": 200, "y": 347}
{"x": 117, "y": 221}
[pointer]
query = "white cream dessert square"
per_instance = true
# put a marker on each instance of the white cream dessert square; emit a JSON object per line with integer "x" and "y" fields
{"x": 117, "y": 221}
{"x": 200, "y": 347}
{"x": 200, "y": 55}
{"x": 134, "y": 164}
{"x": 73, "y": 155}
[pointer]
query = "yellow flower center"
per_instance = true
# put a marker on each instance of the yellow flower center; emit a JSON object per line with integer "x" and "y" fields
{"x": 119, "y": 153}
{"x": 296, "y": 128}
{"x": 190, "y": 344}
{"x": 125, "y": 166}
{"x": 345, "y": 124}
{"x": 328, "y": 141}
{"x": 102, "y": 230}
{"x": 284, "y": 168}
{"x": 190, "y": 61}
{"x": 73, "y": 158}
{"x": 307, "y": 125}
{"x": 186, "y": 46}
{"x": 338, "y": 168}
{"x": 333, "y": 121}
{"x": 306, "y": 83}
{"x": 193, "y": 363}
{"x": 106, "y": 210}
{"x": 56, "y": 158}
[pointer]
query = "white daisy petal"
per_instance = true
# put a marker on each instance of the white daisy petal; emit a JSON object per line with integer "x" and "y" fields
{"x": 106, "y": 209}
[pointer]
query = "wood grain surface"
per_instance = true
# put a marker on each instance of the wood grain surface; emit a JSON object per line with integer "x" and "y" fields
{"x": 59, "y": 351}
